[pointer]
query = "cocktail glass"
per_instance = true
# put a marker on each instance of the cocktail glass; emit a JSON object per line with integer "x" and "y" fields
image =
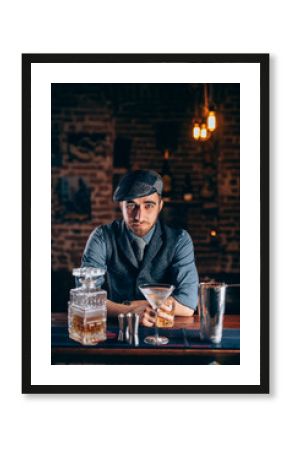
{"x": 156, "y": 295}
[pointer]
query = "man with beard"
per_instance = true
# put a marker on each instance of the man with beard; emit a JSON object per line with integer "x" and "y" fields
{"x": 140, "y": 249}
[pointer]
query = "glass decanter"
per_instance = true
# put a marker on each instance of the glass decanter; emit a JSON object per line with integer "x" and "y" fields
{"x": 87, "y": 308}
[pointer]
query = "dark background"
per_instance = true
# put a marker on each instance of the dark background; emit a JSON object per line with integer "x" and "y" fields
{"x": 99, "y": 131}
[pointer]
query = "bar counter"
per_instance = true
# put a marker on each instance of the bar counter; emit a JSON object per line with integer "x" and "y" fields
{"x": 185, "y": 346}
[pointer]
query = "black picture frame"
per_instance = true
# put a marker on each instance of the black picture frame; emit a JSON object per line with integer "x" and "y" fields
{"x": 263, "y": 61}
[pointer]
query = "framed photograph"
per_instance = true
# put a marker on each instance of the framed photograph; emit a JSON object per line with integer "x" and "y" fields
{"x": 145, "y": 176}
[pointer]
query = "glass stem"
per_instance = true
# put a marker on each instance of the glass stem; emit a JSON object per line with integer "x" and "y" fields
{"x": 156, "y": 331}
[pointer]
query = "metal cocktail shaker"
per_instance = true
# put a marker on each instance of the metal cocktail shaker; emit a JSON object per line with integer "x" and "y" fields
{"x": 211, "y": 310}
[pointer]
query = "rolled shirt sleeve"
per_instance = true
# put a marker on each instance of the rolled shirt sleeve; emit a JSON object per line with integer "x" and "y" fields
{"x": 95, "y": 252}
{"x": 184, "y": 273}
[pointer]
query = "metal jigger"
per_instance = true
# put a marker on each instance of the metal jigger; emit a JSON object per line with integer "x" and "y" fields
{"x": 121, "y": 335}
{"x": 129, "y": 328}
{"x": 136, "y": 320}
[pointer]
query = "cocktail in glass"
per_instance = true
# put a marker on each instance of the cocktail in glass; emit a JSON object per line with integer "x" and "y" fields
{"x": 156, "y": 295}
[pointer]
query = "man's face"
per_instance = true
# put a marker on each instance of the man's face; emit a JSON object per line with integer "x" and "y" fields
{"x": 140, "y": 214}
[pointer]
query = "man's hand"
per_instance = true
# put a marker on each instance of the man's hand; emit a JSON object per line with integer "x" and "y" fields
{"x": 149, "y": 316}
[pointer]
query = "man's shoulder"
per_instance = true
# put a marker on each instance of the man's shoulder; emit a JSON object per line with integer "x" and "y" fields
{"x": 176, "y": 230}
{"x": 172, "y": 231}
{"x": 108, "y": 228}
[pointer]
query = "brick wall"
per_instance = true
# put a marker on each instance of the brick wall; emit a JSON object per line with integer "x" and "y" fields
{"x": 87, "y": 120}
{"x": 69, "y": 233}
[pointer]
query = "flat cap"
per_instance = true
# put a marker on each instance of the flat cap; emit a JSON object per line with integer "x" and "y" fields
{"x": 138, "y": 183}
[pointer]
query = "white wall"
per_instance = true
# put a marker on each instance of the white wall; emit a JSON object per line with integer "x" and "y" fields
{"x": 165, "y": 27}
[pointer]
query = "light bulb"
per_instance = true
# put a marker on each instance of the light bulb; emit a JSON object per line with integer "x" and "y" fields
{"x": 203, "y": 132}
{"x": 166, "y": 154}
{"x": 196, "y": 131}
{"x": 211, "y": 121}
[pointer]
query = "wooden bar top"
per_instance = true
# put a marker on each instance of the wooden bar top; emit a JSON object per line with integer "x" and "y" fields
{"x": 230, "y": 321}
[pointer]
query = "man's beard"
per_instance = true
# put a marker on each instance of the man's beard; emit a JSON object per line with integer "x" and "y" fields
{"x": 139, "y": 230}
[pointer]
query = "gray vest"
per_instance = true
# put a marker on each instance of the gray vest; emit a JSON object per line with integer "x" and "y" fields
{"x": 124, "y": 274}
